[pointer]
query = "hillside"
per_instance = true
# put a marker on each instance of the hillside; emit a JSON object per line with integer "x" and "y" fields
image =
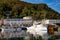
{"x": 19, "y": 9}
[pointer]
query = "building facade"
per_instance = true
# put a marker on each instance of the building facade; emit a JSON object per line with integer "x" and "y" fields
{"x": 18, "y": 22}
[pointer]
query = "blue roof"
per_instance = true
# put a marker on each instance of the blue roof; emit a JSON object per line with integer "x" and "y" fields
{"x": 17, "y": 19}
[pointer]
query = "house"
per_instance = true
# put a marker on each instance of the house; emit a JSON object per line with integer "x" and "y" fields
{"x": 18, "y": 22}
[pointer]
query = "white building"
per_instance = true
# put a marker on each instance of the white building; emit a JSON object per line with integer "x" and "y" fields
{"x": 25, "y": 21}
{"x": 50, "y": 21}
{"x": 19, "y": 22}
{"x": 28, "y": 17}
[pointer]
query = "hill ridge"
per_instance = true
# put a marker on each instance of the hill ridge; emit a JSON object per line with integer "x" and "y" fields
{"x": 19, "y": 9}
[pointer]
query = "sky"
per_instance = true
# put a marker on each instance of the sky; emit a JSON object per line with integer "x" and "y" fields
{"x": 54, "y": 4}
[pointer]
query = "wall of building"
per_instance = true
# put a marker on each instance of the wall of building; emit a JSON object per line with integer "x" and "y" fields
{"x": 20, "y": 22}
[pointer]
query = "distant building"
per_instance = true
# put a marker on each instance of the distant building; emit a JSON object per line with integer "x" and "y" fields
{"x": 1, "y": 21}
{"x": 51, "y": 21}
{"x": 18, "y": 22}
{"x": 28, "y": 17}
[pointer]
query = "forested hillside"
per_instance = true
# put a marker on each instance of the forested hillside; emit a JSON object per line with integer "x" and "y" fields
{"x": 19, "y": 9}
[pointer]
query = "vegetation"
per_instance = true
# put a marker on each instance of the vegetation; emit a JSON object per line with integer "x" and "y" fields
{"x": 36, "y": 38}
{"x": 22, "y": 38}
{"x": 55, "y": 37}
{"x": 19, "y": 9}
{"x": 14, "y": 38}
